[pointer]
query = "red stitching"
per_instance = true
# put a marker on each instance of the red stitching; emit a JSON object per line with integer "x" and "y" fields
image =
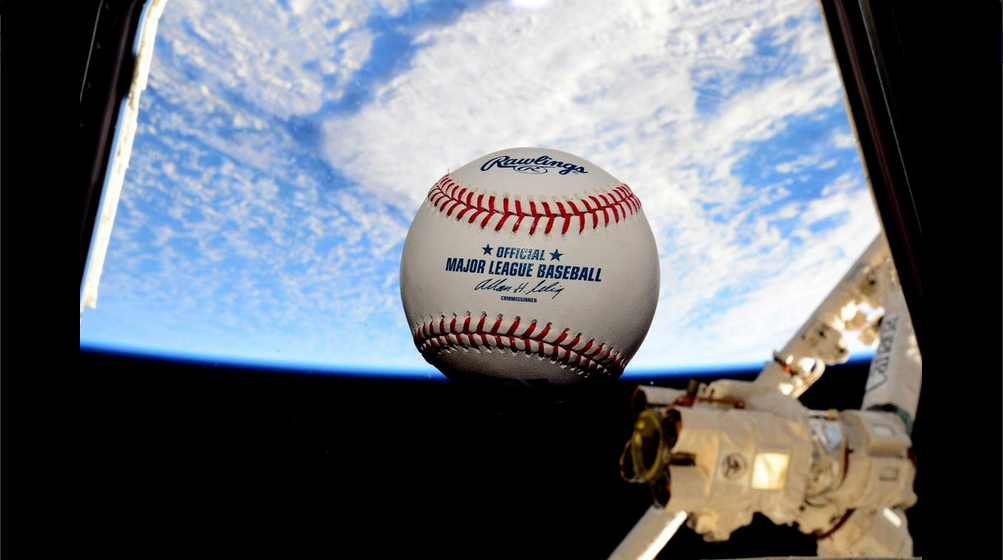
{"x": 431, "y": 341}
{"x": 446, "y": 196}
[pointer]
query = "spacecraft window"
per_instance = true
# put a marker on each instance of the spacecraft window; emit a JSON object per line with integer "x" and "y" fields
{"x": 283, "y": 149}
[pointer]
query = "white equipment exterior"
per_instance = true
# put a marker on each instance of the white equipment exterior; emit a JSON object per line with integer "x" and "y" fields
{"x": 720, "y": 452}
{"x": 125, "y": 133}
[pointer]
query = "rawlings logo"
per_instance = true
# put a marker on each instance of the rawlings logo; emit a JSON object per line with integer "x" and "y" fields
{"x": 532, "y": 166}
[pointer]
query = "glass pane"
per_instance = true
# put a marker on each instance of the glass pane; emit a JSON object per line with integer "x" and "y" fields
{"x": 284, "y": 149}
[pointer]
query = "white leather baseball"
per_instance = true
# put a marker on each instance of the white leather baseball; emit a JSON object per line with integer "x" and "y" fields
{"x": 530, "y": 264}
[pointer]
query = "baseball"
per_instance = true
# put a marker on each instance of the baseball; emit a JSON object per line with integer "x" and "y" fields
{"x": 530, "y": 264}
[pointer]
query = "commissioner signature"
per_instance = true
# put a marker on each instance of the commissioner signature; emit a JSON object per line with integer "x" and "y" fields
{"x": 503, "y": 285}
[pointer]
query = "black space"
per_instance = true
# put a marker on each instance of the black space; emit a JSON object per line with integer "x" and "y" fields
{"x": 199, "y": 459}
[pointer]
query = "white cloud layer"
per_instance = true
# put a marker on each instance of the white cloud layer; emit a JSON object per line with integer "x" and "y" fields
{"x": 621, "y": 84}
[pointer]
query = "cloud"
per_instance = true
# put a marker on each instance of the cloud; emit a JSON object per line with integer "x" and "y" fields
{"x": 798, "y": 164}
{"x": 785, "y": 296}
{"x": 286, "y": 60}
{"x": 844, "y": 140}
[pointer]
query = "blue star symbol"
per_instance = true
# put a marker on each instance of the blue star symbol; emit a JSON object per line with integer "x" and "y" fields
{"x": 556, "y": 255}
{"x": 487, "y": 249}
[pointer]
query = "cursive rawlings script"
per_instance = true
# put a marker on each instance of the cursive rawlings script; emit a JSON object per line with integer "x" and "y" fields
{"x": 533, "y": 166}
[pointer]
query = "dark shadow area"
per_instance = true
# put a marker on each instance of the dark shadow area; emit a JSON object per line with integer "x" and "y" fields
{"x": 185, "y": 457}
